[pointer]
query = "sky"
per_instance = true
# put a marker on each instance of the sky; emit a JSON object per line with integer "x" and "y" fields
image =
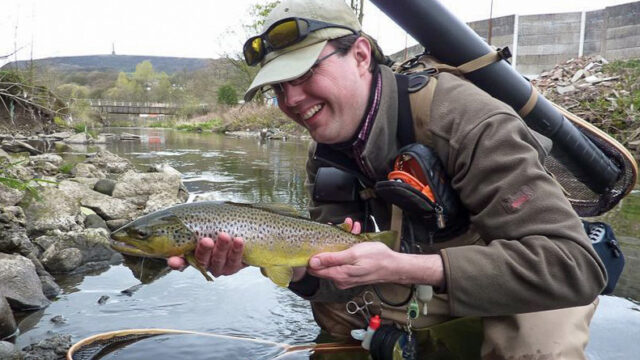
{"x": 195, "y": 28}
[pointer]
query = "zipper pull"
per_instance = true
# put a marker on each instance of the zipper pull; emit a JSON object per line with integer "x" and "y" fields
{"x": 440, "y": 216}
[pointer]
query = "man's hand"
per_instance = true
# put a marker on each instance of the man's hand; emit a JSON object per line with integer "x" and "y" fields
{"x": 220, "y": 257}
{"x": 373, "y": 262}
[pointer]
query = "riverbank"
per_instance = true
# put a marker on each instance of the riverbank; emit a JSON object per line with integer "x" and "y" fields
{"x": 56, "y": 217}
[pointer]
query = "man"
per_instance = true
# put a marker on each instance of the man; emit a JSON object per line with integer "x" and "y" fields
{"x": 524, "y": 253}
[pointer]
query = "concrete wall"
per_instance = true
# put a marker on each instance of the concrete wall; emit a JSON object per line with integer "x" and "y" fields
{"x": 549, "y": 39}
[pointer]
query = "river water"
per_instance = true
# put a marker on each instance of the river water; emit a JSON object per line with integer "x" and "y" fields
{"x": 248, "y": 305}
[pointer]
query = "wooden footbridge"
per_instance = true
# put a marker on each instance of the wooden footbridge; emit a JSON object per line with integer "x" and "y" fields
{"x": 127, "y": 107}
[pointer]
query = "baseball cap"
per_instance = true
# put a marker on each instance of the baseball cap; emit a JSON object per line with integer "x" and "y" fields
{"x": 293, "y": 61}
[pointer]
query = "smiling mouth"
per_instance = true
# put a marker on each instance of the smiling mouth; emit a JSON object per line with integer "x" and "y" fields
{"x": 309, "y": 113}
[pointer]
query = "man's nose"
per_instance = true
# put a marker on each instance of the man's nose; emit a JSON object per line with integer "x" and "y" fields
{"x": 293, "y": 94}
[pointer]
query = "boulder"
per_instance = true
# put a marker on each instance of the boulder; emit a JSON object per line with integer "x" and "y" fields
{"x": 13, "y": 214}
{"x": 87, "y": 171}
{"x": 107, "y": 207}
{"x": 17, "y": 146}
{"x": 138, "y": 187}
{"x": 81, "y": 139}
{"x": 46, "y": 158}
{"x": 8, "y": 351}
{"x": 52, "y": 348}
{"x": 8, "y": 325}
{"x": 94, "y": 221}
{"x": 109, "y": 162}
{"x": 105, "y": 186}
{"x": 10, "y": 196}
{"x": 4, "y": 155}
{"x": 14, "y": 239}
{"x": 58, "y": 135}
{"x": 67, "y": 251}
{"x": 116, "y": 224}
{"x": 20, "y": 284}
{"x": 57, "y": 260}
{"x": 90, "y": 182}
{"x": 49, "y": 287}
{"x": 56, "y": 210}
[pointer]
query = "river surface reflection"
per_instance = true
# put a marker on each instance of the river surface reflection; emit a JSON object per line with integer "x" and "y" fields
{"x": 219, "y": 167}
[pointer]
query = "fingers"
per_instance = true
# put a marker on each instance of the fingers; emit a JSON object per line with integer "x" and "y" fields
{"x": 220, "y": 257}
{"x": 203, "y": 251}
{"x": 330, "y": 259}
{"x": 355, "y": 227}
{"x": 177, "y": 263}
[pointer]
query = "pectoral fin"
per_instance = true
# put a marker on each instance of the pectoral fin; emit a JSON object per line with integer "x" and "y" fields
{"x": 280, "y": 275}
{"x": 346, "y": 227}
{"x": 191, "y": 259}
{"x": 386, "y": 237}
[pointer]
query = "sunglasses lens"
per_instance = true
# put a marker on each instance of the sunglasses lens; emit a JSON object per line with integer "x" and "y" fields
{"x": 253, "y": 50}
{"x": 283, "y": 34}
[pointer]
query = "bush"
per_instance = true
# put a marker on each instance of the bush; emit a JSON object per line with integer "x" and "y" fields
{"x": 227, "y": 95}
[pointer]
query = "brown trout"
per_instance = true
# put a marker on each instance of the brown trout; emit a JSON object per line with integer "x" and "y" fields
{"x": 273, "y": 240}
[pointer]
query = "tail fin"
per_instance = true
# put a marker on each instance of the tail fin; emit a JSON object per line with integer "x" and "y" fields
{"x": 386, "y": 237}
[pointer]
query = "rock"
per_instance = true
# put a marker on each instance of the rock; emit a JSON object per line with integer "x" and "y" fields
{"x": 4, "y": 155}
{"x": 165, "y": 168}
{"x": 8, "y": 325}
{"x": 87, "y": 171}
{"x": 107, "y": 207}
{"x": 101, "y": 139}
{"x": 57, "y": 260}
{"x": 46, "y": 158}
{"x": 80, "y": 138}
{"x": 105, "y": 186}
{"x": 52, "y": 348}
{"x": 50, "y": 288}
{"x": 56, "y": 211}
{"x": 138, "y": 187}
{"x": 17, "y": 146}
{"x": 58, "y": 320}
{"x": 579, "y": 74}
{"x": 8, "y": 351}
{"x": 14, "y": 214}
{"x": 116, "y": 224}
{"x": 58, "y": 135}
{"x": 109, "y": 162}
{"x": 127, "y": 136}
{"x": 103, "y": 299}
{"x": 93, "y": 245}
{"x": 10, "y": 196}
{"x": 94, "y": 221}
{"x": 46, "y": 168}
{"x": 13, "y": 238}
{"x": 565, "y": 89}
{"x": 20, "y": 283}
{"x": 89, "y": 182}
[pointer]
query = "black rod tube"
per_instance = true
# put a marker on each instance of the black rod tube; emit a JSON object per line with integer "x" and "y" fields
{"x": 453, "y": 42}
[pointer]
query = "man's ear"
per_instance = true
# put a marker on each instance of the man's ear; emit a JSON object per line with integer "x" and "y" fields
{"x": 362, "y": 52}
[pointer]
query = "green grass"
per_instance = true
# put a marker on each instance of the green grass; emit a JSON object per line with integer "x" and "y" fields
{"x": 203, "y": 126}
{"x": 67, "y": 167}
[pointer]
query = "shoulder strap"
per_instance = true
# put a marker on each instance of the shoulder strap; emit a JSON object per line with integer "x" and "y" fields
{"x": 405, "y": 130}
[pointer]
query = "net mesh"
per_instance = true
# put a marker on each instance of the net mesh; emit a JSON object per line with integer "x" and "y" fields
{"x": 584, "y": 201}
{"x": 100, "y": 347}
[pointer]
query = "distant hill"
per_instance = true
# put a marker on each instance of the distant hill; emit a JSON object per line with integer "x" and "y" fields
{"x": 126, "y": 63}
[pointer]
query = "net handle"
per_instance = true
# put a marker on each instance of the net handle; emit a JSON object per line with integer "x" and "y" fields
{"x": 322, "y": 348}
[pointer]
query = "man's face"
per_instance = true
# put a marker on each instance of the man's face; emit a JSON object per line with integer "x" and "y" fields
{"x": 332, "y": 102}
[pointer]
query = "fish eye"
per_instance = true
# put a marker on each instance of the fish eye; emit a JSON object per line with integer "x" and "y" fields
{"x": 141, "y": 233}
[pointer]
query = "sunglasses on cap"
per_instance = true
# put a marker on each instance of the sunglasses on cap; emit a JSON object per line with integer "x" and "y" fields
{"x": 281, "y": 34}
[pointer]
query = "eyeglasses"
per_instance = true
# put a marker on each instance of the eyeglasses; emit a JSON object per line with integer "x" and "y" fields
{"x": 279, "y": 89}
{"x": 281, "y": 34}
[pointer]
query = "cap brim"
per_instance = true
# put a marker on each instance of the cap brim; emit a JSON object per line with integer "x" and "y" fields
{"x": 288, "y": 66}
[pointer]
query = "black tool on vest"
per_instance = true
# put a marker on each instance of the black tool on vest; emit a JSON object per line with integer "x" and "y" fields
{"x": 608, "y": 249}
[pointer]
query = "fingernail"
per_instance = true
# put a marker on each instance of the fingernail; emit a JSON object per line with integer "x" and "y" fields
{"x": 314, "y": 262}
